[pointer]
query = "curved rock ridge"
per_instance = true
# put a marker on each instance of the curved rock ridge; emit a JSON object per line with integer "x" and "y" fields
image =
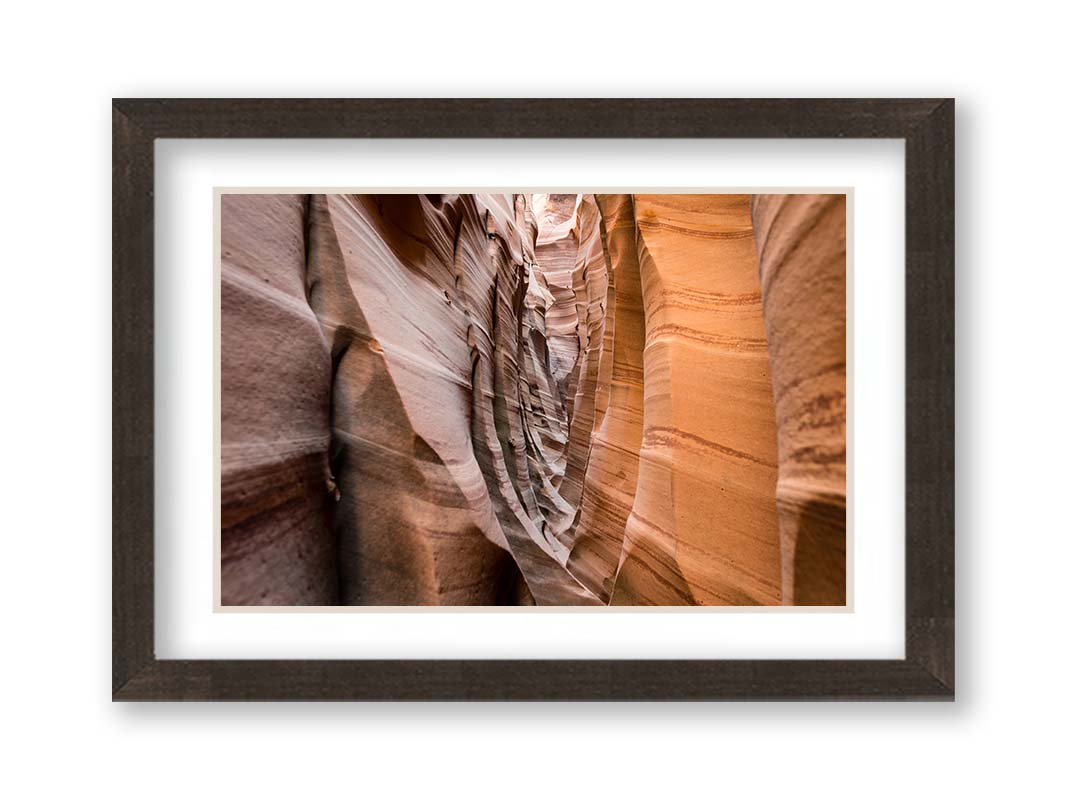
{"x": 611, "y": 477}
{"x": 277, "y": 543}
{"x": 702, "y": 528}
{"x": 801, "y": 241}
{"x": 505, "y": 399}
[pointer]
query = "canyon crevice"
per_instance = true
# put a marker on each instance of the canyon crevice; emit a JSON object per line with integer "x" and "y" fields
{"x": 555, "y": 399}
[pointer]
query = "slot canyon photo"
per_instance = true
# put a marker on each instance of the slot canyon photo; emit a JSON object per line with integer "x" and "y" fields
{"x": 532, "y": 399}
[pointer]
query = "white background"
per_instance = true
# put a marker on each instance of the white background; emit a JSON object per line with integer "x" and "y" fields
{"x": 187, "y": 172}
{"x": 61, "y": 64}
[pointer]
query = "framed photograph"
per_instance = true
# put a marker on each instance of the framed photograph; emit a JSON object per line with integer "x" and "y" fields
{"x": 533, "y": 399}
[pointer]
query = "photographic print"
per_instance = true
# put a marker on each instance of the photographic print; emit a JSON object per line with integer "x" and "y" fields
{"x": 532, "y": 399}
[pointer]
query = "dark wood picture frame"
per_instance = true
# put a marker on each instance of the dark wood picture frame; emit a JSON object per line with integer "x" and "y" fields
{"x": 926, "y": 672}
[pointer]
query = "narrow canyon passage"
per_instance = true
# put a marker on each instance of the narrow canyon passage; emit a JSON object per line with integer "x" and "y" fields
{"x": 549, "y": 399}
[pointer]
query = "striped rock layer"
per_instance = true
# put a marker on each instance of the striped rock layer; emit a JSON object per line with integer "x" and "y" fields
{"x": 801, "y": 241}
{"x": 531, "y": 399}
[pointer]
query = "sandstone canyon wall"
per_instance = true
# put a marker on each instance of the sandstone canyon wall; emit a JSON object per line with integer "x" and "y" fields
{"x": 530, "y": 399}
{"x": 277, "y": 544}
{"x": 801, "y": 240}
{"x": 703, "y": 527}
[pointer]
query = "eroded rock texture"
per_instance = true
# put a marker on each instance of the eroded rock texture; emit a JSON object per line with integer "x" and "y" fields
{"x": 801, "y": 240}
{"x": 514, "y": 399}
{"x": 277, "y": 543}
{"x": 611, "y": 477}
{"x": 703, "y": 527}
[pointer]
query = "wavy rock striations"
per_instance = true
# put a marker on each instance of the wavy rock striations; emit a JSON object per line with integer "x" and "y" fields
{"x": 801, "y": 241}
{"x": 611, "y": 477}
{"x": 277, "y": 543}
{"x": 702, "y": 528}
{"x": 529, "y": 399}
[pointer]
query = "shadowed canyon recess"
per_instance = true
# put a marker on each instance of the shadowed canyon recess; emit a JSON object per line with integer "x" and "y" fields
{"x": 533, "y": 399}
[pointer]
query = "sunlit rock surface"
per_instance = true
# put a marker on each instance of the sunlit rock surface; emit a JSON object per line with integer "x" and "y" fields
{"x": 509, "y": 399}
{"x": 703, "y": 527}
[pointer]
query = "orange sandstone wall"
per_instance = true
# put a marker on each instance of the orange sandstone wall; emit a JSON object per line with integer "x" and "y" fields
{"x": 512, "y": 399}
{"x": 703, "y": 527}
{"x": 611, "y": 476}
{"x": 801, "y": 242}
